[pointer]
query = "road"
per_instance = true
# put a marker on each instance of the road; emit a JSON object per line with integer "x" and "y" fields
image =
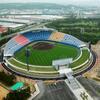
{"x": 91, "y": 86}
{"x": 41, "y": 87}
{"x": 57, "y": 91}
{"x": 60, "y": 91}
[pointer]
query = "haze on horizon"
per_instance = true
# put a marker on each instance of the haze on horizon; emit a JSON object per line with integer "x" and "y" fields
{"x": 65, "y": 2}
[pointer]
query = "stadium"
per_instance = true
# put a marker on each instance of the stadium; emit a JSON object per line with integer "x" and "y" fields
{"x": 31, "y": 53}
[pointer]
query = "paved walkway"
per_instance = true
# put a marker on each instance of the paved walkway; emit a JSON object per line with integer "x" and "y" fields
{"x": 94, "y": 71}
{"x": 41, "y": 87}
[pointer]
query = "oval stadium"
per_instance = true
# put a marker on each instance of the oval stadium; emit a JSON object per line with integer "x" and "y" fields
{"x": 32, "y": 53}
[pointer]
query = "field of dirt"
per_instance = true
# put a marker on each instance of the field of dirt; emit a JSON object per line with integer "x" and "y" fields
{"x": 3, "y": 92}
{"x": 43, "y": 46}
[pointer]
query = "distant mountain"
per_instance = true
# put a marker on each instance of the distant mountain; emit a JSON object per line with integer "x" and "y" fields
{"x": 39, "y": 6}
{"x": 30, "y": 6}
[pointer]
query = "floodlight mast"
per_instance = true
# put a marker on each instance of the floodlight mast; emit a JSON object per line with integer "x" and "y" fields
{"x": 1, "y": 54}
{"x": 27, "y": 54}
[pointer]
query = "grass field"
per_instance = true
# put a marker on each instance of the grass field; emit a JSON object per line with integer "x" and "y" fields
{"x": 34, "y": 68}
{"x": 41, "y": 60}
{"x": 84, "y": 57}
{"x": 45, "y": 57}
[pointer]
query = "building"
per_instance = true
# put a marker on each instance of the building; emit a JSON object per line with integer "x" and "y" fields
{"x": 3, "y": 29}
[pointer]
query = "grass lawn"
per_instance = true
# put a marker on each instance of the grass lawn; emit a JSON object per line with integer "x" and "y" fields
{"x": 85, "y": 56}
{"x": 14, "y": 62}
{"x": 45, "y": 57}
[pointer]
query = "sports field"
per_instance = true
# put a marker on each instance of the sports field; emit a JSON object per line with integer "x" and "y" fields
{"x": 43, "y": 53}
{"x": 75, "y": 65}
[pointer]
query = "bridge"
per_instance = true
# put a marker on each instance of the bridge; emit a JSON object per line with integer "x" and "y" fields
{"x": 74, "y": 85}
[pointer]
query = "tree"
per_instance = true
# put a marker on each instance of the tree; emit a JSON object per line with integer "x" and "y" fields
{"x": 19, "y": 94}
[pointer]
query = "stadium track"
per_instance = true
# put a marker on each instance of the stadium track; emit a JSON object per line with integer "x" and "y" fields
{"x": 36, "y": 77}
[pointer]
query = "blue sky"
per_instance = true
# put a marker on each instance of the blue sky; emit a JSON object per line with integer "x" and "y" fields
{"x": 77, "y": 2}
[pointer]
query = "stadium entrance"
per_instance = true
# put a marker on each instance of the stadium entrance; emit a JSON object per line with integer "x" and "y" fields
{"x": 74, "y": 85}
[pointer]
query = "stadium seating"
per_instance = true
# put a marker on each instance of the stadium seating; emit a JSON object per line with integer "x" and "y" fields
{"x": 57, "y": 36}
{"x": 11, "y": 47}
{"x": 39, "y": 35}
{"x": 21, "y": 40}
{"x": 72, "y": 40}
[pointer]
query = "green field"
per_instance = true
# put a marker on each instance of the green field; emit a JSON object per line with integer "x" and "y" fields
{"x": 85, "y": 56}
{"x": 41, "y": 60}
{"x": 45, "y": 57}
{"x": 42, "y": 69}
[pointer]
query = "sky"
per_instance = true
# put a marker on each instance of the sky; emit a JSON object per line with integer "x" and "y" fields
{"x": 66, "y": 2}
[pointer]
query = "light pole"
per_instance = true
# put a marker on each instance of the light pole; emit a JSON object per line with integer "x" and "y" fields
{"x": 82, "y": 32}
{"x": 27, "y": 54}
